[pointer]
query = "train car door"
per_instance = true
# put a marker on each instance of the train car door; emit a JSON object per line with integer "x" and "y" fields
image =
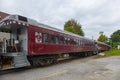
{"x": 23, "y": 37}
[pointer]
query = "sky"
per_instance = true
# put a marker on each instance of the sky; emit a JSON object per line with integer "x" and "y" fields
{"x": 94, "y": 15}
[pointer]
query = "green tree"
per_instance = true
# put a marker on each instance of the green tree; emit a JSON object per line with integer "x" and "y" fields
{"x": 116, "y": 36}
{"x": 74, "y": 27}
{"x": 102, "y": 38}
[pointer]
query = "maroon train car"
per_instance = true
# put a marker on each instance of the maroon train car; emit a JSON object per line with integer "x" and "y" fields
{"x": 43, "y": 40}
{"x": 102, "y": 47}
{"x": 27, "y": 42}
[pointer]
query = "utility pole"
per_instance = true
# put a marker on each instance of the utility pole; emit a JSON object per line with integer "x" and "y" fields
{"x": 92, "y": 37}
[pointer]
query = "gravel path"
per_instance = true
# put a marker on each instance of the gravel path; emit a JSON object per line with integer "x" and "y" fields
{"x": 77, "y": 69}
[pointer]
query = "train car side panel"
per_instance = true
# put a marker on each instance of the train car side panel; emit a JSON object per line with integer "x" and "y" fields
{"x": 38, "y": 47}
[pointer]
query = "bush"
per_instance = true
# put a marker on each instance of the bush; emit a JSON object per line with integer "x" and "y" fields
{"x": 113, "y": 52}
{"x": 115, "y": 45}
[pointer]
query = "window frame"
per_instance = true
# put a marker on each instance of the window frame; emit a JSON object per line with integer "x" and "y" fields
{"x": 52, "y": 41}
{"x": 44, "y": 40}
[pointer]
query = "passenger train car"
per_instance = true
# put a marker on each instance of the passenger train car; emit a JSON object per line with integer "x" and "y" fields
{"x": 26, "y": 42}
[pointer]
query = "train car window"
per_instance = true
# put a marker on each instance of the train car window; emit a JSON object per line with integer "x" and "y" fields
{"x": 90, "y": 44}
{"x": 51, "y": 39}
{"x": 57, "y": 40}
{"x": 87, "y": 43}
{"x": 74, "y": 42}
{"x": 22, "y": 18}
{"x": 68, "y": 41}
{"x": 79, "y": 42}
{"x": 61, "y": 40}
{"x": 83, "y": 43}
{"x": 45, "y": 38}
{"x": 65, "y": 40}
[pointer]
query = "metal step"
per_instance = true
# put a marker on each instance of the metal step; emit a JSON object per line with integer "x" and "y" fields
{"x": 21, "y": 61}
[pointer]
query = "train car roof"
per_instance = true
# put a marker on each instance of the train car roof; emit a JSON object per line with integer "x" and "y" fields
{"x": 35, "y": 23}
{"x": 102, "y": 43}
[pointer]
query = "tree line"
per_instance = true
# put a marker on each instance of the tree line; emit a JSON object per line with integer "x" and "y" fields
{"x": 74, "y": 27}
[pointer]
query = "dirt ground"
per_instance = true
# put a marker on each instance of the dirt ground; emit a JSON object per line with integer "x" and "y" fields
{"x": 76, "y": 69}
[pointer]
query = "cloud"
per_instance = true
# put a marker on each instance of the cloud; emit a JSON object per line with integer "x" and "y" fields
{"x": 93, "y": 15}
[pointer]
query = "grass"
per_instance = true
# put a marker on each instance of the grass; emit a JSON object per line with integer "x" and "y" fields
{"x": 113, "y": 52}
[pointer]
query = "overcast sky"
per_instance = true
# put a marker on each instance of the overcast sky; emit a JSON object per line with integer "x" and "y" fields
{"x": 93, "y": 15}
